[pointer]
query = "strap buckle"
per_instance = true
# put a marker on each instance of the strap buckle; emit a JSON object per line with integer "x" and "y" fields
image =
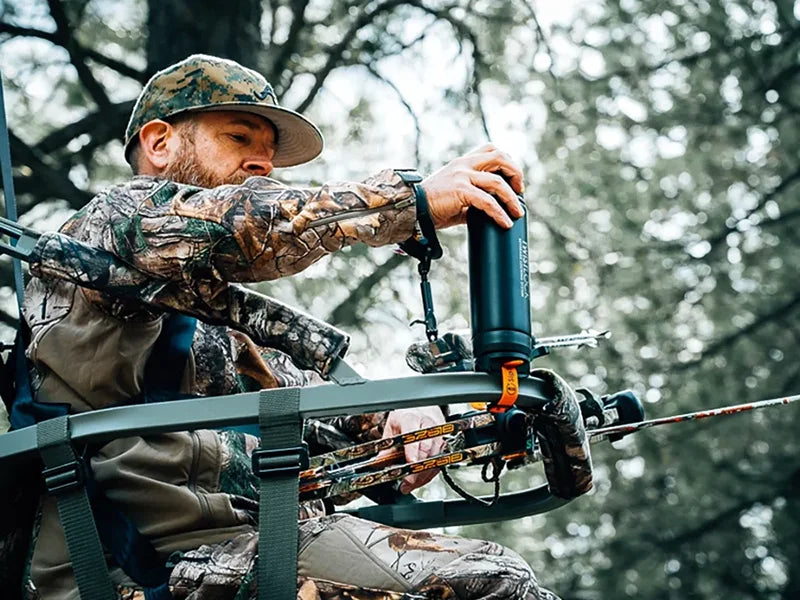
{"x": 64, "y": 478}
{"x": 279, "y": 461}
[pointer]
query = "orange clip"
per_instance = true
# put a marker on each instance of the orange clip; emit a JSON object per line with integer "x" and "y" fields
{"x": 510, "y": 387}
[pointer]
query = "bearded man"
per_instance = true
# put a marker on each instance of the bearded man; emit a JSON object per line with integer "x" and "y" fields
{"x": 201, "y": 211}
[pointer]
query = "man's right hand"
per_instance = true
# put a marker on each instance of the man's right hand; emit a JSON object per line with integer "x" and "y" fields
{"x": 483, "y": 178}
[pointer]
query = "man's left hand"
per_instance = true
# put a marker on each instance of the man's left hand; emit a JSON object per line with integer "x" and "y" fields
{"x": 410, "y": 419}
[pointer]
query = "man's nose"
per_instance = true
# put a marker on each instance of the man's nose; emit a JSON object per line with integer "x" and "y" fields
{"x": 258, "y": 165}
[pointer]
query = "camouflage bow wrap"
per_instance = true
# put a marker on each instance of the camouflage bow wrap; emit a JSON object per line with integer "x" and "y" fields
{"x": 563, "y": 439}
{"x": 559, "y": 426}
{"x": 208, "y": 83}
{"x": 311, "y": 343}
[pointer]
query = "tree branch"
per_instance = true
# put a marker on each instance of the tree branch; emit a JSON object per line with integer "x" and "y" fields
{"x": 19, "y": 31}
{"x": 676, "y": 541}
{"x": 562, "y": 239}
{"x": 778, "y": 189}
{"x": 336, "y": 52}
{"x": 76, "y": 56}
{"x": 540, "y": 35}
{"x": 409, "y": 109}
{"x": 716, "y": 239}
{"x": 711, "y": 524}
{"x": 46, "y": 181}
{"x": 348, "y": 312}
{"x": 478, "y": 63}
{"x": 104, "y": 124}
{"x": 7, "y": 319}
{"x": 789, "y": 215}
{"x": 98, "y": 57}
{"x": 272, "y": 21}
{"x": 117, "y": 65}
{"x": 688, "y": 59}
{"x": 6, "y": 273}
{"x": 721, "y": 344}
{"x": 290, "y": 45}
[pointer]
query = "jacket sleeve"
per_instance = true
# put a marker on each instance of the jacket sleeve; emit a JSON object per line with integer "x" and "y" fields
{"x": 258, "y": 230}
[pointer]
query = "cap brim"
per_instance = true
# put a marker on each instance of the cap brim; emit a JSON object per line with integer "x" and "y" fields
{"x": 299, "y": 140}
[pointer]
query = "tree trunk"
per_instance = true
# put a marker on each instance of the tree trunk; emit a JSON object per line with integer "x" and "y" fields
{"x": 179, "y": 28}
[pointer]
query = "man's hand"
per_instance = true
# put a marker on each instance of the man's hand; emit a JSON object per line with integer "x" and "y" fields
{"x": 410, "y": 419}
{"x": 484, "y": 178}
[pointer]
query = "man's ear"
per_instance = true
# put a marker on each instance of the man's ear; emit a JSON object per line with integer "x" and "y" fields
{"x": 159, "y": 143}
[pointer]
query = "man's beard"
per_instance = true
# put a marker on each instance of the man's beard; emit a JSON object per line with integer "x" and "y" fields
{"x": 187, "y": 168}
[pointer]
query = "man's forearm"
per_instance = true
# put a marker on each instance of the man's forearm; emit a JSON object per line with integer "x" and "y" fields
{"x": 259, "y": 230}
{"x": 279, "y": 231}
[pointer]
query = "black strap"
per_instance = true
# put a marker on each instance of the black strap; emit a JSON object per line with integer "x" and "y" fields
{"x": 424, "y": 245}
{"x": 278, "y": 463}
{"x": 64, "y": 478}
{"x": 164, "y": 368}
{"x": 131, "y": 551}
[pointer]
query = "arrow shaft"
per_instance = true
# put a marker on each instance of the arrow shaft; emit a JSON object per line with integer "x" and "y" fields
{"x": 693, "y": 416}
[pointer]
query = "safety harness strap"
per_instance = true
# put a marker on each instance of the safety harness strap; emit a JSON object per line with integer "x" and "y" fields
{"x": 64, "y": 478}
{"x": 278, "y": 463}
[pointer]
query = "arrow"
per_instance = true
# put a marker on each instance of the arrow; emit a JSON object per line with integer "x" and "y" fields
{"x": 603, "y": 432}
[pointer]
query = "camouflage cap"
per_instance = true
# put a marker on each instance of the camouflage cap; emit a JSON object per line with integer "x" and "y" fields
{"x": 202, "y": 82}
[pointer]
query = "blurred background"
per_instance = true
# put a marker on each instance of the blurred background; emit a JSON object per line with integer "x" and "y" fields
{"x": 661, "y": 146}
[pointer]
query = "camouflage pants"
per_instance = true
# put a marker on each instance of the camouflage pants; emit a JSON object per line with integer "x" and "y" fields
{"x": 341, "y": 557}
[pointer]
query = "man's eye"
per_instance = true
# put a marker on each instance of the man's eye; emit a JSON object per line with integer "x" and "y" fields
{"x": 238, "y": 138}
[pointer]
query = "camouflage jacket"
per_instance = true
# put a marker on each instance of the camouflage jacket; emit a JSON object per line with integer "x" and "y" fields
{"x": 88, "y": 349}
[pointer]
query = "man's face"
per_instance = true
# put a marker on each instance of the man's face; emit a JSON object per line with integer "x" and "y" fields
{"x": 224, "y": 147}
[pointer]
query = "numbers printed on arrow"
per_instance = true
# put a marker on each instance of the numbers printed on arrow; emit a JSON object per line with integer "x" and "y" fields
{"x": 431, "y": 432}
{"x": 438, "y": 462}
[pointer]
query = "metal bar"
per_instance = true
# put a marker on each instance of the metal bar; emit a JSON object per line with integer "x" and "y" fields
{"x": 440, "y": 513}
{"x": 240, "y": 409}
{"x": 5, "y": 164}
{"x": 17, "y": 228}
{"x": 9, "y": 228}
{"x": 20, "y": 251}
{"x": 324, "y": 400}
{"x": 7, "y": 178}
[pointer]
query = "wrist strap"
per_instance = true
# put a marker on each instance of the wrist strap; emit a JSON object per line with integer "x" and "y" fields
{"x": 424, "y": 244}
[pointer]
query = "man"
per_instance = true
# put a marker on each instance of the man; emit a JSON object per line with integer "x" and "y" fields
{"x": 200, "y": 212}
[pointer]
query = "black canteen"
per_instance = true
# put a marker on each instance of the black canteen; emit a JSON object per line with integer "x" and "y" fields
{"x": 499, "y": 285}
